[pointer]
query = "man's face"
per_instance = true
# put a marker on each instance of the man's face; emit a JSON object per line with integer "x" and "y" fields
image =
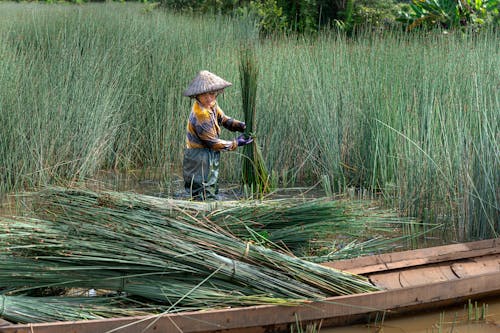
{"x": 208, "y": 99}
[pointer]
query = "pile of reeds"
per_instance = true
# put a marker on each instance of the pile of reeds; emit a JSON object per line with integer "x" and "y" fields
{"x": 82, "y": 239}
{"x": 290, "y": 223}
{"x": 254, "y": 171}
{"x": 26, "y": 309}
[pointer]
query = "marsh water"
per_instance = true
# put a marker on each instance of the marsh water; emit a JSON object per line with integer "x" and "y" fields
{"x": 453, "y": 319}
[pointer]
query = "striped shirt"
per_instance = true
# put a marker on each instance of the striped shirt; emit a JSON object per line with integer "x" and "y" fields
{"x": 203, "y": 128}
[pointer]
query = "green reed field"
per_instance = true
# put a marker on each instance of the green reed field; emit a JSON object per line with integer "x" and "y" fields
{"x": 413, "y": 117}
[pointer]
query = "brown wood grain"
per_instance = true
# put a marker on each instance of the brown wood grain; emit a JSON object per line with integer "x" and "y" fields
{"x": 277, "y": 318}
{"x": 452, "y": 274}
{"x": 390, "y": 261}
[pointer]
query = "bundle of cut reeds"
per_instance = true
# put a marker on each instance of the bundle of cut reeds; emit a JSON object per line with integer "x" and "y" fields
{"x": 254, "y": 171}
{"x": 26, "y": 309}
{"x": 290, "y": 223}
{"x": 82, "y": 240}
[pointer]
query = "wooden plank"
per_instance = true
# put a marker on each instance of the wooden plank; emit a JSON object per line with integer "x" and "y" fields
{"x": 413, "y": 277}
{"x": 4, "y": 322}
{"x": 395, "y": 260}
{"x": 386, "y": 281}
{"x": 276, "y": 318}
{"x": 476, "y": 266}
{"x": 426, "y": 275}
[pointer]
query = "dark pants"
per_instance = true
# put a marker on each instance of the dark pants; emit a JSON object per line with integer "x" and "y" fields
{"x": 200, "y": 170}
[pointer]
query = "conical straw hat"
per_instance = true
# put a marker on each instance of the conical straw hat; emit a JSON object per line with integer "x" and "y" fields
{"x": 205, "y": 82}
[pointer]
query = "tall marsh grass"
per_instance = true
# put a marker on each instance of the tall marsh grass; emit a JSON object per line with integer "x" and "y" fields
{"x": 413, "y": 117}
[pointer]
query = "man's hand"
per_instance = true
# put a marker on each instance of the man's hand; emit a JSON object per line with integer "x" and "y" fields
{"x": 243, "y": 140}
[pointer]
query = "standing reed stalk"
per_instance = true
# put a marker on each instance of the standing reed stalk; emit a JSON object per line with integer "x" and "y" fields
{"x": 413, "y": 117}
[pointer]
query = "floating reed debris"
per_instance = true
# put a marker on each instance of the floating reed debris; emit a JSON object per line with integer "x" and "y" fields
{"x": 254, "y": 171}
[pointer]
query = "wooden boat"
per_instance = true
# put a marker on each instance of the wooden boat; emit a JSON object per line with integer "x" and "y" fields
{"x": 412, "y": 280}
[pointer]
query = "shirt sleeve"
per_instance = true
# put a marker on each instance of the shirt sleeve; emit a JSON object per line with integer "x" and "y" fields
{"x": 228, "y": 122}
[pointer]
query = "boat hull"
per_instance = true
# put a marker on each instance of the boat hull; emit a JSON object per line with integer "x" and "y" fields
{"x": 413, "y": 281}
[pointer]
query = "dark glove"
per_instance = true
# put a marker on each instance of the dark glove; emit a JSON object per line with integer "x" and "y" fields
{"x": 244, "y": 140}
{"x": 243, "y": 126}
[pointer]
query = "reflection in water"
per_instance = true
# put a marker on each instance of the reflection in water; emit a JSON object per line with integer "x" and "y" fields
{"x": 445, "y": 320}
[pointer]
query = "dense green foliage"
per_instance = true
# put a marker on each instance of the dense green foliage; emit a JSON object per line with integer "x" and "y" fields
{"x": 411, "y": 116}
{"x": 307, "y": 16}
{"x": 312, "y": 16}
{"x": 304, "y": 16}
{"x": 450, "y": 14}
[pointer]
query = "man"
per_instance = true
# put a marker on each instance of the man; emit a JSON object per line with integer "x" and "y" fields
{"x": 203, "y": 145}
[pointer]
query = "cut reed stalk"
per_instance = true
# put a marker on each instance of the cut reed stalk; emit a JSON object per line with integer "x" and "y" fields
{"x": 25, "y": 309}
{"x": 291, "y": 223}
{"x": 83, "y": 240}
{"x": 254, "y": 171}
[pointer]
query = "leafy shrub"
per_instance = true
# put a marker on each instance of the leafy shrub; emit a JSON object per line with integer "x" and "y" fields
{"x": 449, "y": 14}
{"x": 269, "y": 15}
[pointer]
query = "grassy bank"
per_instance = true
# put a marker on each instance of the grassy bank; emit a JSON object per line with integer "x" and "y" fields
{"x": 414, "y": 117}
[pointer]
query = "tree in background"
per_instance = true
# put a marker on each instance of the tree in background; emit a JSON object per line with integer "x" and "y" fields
{"x": 271, "y": 18}
{"x": 310, "y": 16}
{"x": 304, "y": 16}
